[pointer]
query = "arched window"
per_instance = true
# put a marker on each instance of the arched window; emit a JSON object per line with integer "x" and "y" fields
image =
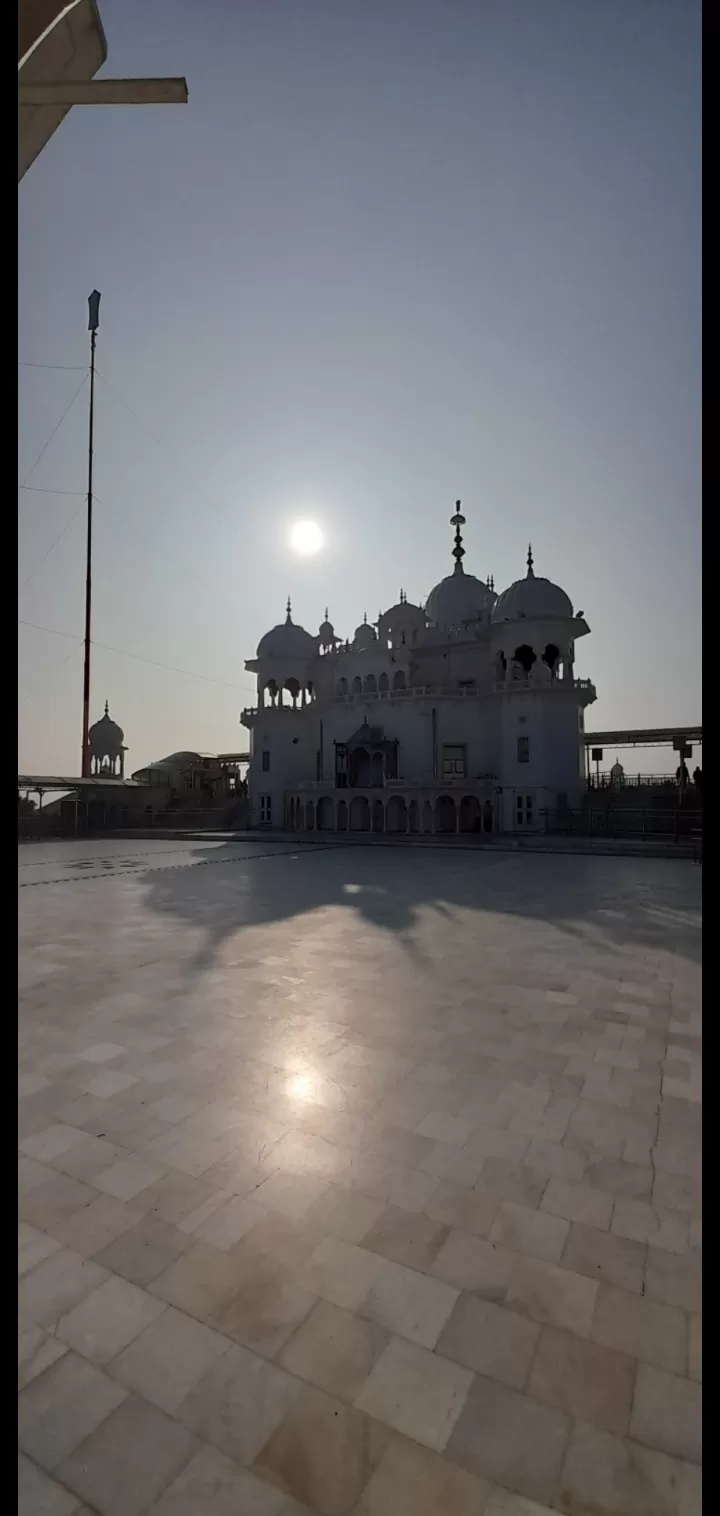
{"x": 342, "y": 687}
{"x": 399, "y": 681}
{"x": 551, "y": 657}
{"x": 383, "y": 683}
{"x": 525, "y": 656}
{"x": 371, "y": 685}
{"x": 357, "y": 685}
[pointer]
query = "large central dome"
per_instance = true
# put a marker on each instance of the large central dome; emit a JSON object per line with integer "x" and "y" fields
{"x": 460, "y": 597}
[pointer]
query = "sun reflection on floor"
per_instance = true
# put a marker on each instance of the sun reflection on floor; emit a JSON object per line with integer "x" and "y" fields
{"x": 301, "y": 1087}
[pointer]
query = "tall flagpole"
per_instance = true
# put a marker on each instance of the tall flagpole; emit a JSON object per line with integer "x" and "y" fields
{"x": 93, "y": 324}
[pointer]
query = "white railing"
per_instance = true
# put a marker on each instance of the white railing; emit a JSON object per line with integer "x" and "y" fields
{"x": 395, "y": 786}
{"x": 430, "y": 691}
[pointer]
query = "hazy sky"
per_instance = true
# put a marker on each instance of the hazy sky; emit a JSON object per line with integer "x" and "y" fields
{"x": 390, "y": 253}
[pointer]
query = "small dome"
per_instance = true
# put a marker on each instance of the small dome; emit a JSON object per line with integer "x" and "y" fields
{"x": 287, "y": 641}
{"x": 105, "y": 734}
{"x": 401, "y": 623}
{"x": 364, "y": 635}
{"x": 327, "y": 631}
{"x": 532, "y": 596}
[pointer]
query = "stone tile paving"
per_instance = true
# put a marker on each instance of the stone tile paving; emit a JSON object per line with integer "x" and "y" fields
{"x": 358, "y": 1182}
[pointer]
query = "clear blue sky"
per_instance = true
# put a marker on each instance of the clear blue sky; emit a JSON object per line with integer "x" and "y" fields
{"x": 389, "y": 254}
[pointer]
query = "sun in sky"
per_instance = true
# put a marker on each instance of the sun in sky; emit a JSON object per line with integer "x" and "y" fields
{"x": 306, "y": 538}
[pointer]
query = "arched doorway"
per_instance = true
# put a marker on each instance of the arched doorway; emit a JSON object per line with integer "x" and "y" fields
{"x": 359, "y": 814}
{"x": 378, "y": 816}
{"x": 342, "y": 817}
{"x": 396, "y": 814}
{"x": 325, "y": 814}
{"x": 359, "y": 768}
{"x": 444, "y": 814}
{"x": 309, "y": 817}
{"x": 470, "y": 818}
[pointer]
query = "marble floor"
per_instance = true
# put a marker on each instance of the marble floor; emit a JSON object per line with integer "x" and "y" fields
{"x": 357, "y": 1181}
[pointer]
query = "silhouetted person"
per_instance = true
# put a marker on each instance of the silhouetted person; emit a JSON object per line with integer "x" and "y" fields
{"x": 697, "y": 781}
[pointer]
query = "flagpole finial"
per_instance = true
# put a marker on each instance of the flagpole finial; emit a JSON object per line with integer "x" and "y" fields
{"x": 457, "y": 521}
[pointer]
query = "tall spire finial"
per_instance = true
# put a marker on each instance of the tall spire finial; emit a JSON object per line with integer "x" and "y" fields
{"x": 492, "y": 583}
{"x": 107, "y": 708}
{"x": 530, "y": 572}
{"x": 457, "y": 521}
{"x": 364, "y": 618}
{"x": 289, "y": 609}
{"x": 327, "y": 618}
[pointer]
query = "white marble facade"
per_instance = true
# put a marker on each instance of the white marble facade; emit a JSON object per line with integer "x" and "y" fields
{"x": 464, "y": 714}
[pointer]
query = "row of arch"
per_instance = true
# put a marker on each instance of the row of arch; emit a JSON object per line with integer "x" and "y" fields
{"x": 525, "y": 657}
{"x": 363, "y": 813}
{"x": 289, "y": 692}
{"x": 372, "y": 685}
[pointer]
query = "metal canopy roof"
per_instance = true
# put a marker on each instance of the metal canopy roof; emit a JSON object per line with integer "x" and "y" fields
{"x": 649, "y": 736}
{"x": 56, "y": 782}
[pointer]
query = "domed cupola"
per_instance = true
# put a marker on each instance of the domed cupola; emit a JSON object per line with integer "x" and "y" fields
{"x": 287, "y": 641}
{"x": 105, "y": 740}
{"x": 326, "y": 634}
{"x": 532, "y": 597}
{"x": 460, "y": 598}
{"x": 402, "y": 623}
{"x": 365, "y": 636}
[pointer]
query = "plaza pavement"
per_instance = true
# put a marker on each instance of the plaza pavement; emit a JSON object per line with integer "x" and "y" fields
{"x": 357, "y": 1182}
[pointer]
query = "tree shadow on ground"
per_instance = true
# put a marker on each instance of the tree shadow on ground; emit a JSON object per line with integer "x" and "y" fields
{"x": 424, "y": 897}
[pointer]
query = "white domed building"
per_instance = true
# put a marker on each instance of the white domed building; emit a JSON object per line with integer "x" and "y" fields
{"x": 107, "y": 750}
{"x": 462, "y": 714}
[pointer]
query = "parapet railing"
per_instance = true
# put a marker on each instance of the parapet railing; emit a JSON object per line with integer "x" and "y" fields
{"x": 431, "y": 691}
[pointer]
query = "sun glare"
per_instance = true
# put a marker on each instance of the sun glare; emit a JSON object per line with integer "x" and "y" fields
{"x": 306, "y": 538}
